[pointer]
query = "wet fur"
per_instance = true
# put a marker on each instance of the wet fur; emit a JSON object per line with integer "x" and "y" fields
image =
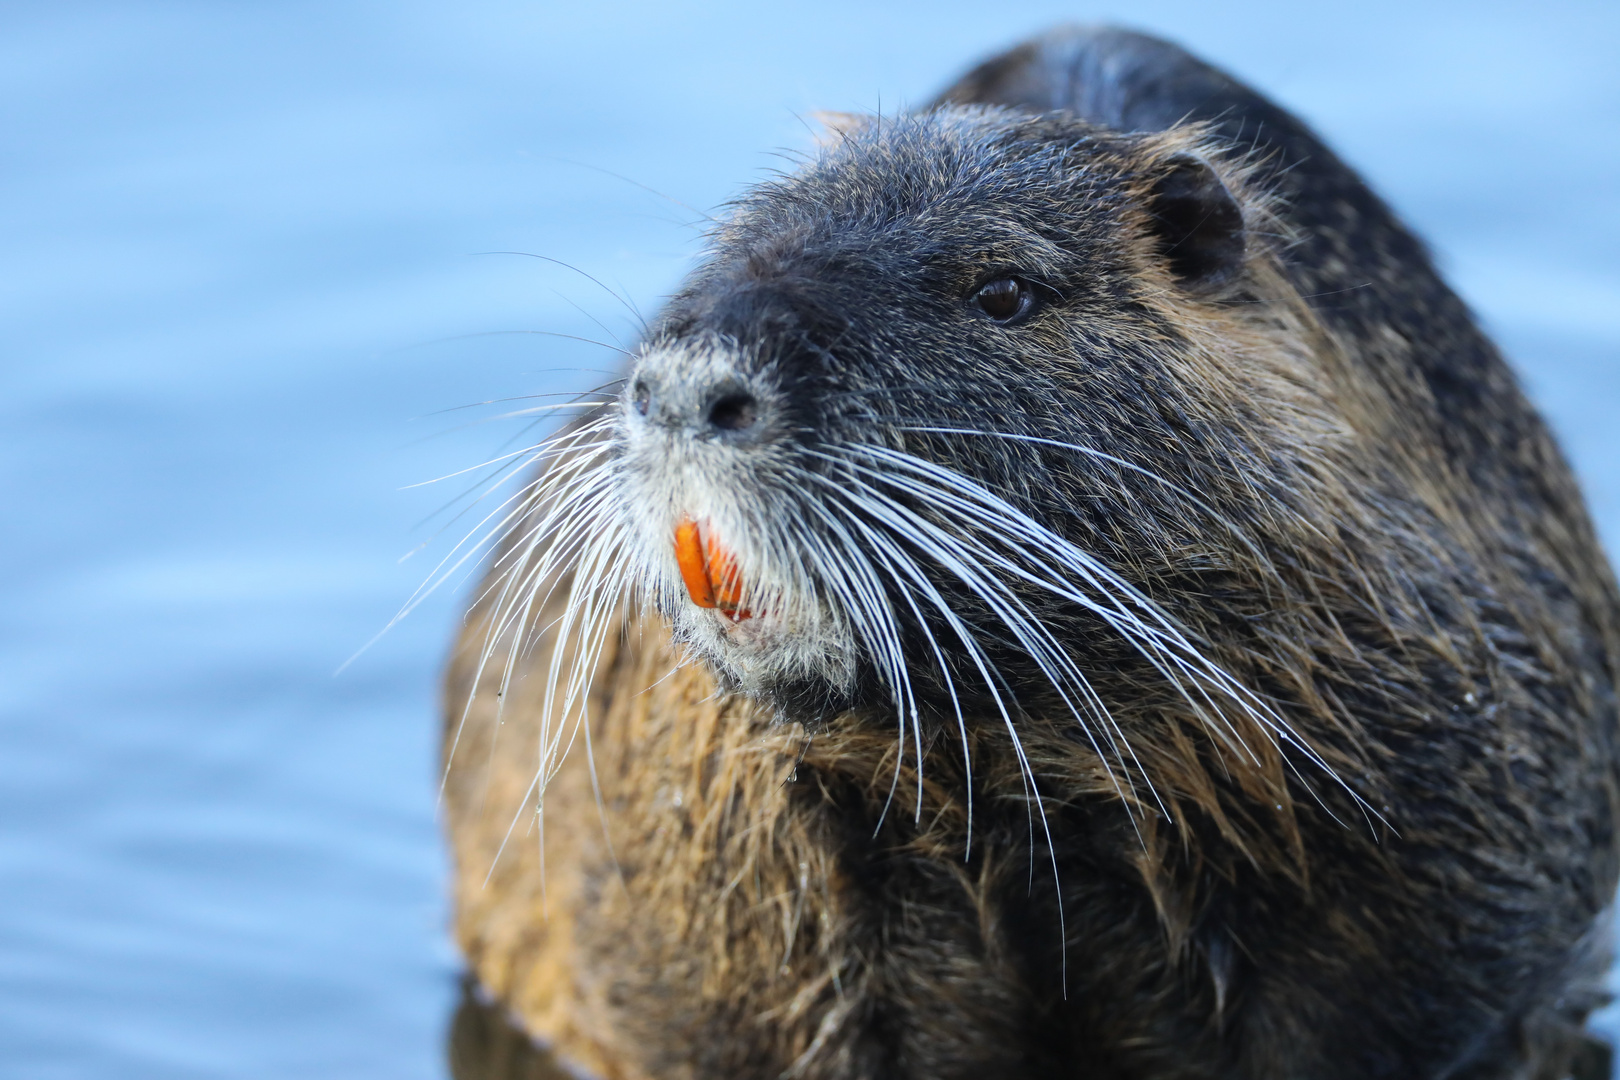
{"x": 1384, "y": 849}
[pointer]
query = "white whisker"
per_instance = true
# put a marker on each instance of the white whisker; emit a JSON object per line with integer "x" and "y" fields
{"x": 1073, "y": 574}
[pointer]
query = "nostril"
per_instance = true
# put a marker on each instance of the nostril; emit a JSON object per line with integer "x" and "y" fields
{"x": 734, "y": 412}
{"x": 641, "y": 396}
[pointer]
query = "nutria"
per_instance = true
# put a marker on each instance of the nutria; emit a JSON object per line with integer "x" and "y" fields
{"x": 1064, "y": 591}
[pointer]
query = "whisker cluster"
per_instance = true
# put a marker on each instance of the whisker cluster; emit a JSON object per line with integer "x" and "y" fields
{"x": 882, "y": 543}
{"x": 990, "y": 547}
{"x": 560, "y": 533}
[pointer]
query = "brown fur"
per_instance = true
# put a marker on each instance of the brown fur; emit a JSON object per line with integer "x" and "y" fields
{"x": 706, "y": 874}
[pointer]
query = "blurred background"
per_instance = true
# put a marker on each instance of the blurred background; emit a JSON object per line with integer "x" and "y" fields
{"x": 242, "y": 278}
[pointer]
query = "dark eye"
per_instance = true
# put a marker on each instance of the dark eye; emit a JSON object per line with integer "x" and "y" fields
{"x": 1005, "y": 299}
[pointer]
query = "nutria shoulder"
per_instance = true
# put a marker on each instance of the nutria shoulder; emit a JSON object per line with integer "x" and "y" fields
{"x": 1067, "y": 590}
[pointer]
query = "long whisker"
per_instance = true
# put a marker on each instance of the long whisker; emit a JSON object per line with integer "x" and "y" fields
{"x": 1129, "y": 612}
{"x": 948, "y": 550}
{"x": 1099, "y": 455}
{"x": 876, "y": 624}
{"x": 1034, "y": 802}
{"x": 1142, "y": 620}
{"x": 623, "y": 300}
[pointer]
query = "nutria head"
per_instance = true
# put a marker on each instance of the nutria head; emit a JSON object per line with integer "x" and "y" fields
{"x": 948, "y": 419}
{"x": 802, "y": 396}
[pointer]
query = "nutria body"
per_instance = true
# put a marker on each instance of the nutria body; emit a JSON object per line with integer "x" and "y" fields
{"x": 1111, "y": 613}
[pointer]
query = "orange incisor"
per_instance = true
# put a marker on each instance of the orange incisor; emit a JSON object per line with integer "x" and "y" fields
{"x": 709, "y": 571}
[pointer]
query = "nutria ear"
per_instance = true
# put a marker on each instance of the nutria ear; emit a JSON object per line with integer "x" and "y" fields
{"x": 1197, "y": 222}
{"x": 837, "y": 126}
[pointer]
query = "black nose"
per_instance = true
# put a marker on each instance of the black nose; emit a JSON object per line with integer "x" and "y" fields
{"x": 721, "y": 406}
{"x": 733, "y": 412}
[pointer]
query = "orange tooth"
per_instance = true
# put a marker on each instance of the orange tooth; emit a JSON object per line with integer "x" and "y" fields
{"x": 689, "y": 554}
{"x": 709, "y": 571}
{"x": 725, "y": 580}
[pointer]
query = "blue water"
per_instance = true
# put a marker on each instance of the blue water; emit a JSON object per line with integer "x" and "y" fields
{"x": 238, "y": 277}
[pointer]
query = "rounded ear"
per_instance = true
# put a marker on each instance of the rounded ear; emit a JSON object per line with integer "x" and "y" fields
{"x": 837, "y": 126}
{"x": 1197, "y": 223}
